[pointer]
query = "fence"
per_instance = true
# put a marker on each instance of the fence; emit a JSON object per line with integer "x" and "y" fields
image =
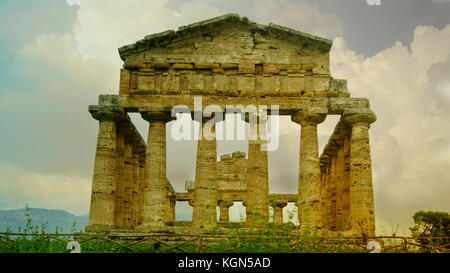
{"x": 212, "y": 243}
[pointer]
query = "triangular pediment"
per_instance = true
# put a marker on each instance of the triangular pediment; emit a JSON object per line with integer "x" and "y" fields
{"x": 247, "y": 33}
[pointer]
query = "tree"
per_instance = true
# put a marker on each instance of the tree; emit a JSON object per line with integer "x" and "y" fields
{"x": 431, "y": 224}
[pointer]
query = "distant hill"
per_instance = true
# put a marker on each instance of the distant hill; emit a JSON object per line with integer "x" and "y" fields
{"x": 54, "y": 218}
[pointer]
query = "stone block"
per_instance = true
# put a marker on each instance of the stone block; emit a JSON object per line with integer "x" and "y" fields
{"x": 259, "y": 87}
{"x": 233, "y": 85}
{"x": 271, "y": 85}
{"x": 133, "y": 65}
{"x": 208, "y": 82}
{"x": 220, "y": 83}
{"x": 133, "y": 80}
{"x": 338, "y": 85}
{"x": 295, "y": 84}
{"x": 225, "y": 157}
{"x": 182, "y": 66}
{"x": 321, "y": 83}
{"x": 206, "y": 65}
{"x": 158, "y": 82}
{"x": 170, "y": 84}
{"x": 271, "y": 69}
{"x": 146, "y": 82}
{"x": 246, "y": 85}
{"x": 246, "y": 68}
{"x": 309, "y": 66}
{"x": 124, "y": 85}
{"x": 238, "y": 154}
{"x": 196, "y": 84}
{"x": 295, "y": 68}
{"x": 229, "y": 66}
{"x": 160, "y": 65}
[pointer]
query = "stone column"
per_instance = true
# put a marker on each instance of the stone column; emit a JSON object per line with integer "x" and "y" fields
{"x": 205, "y": 192}
{"x": 325, "y": 175}
{"x": 171, "y": 214}
{"x": 140, "y": 212}
{"x": 120, "y": 178}
{"x": 155, "y": 189}
{"x": 135, "y": 189}
{"x": 346, "y": 196}
{"x": 257, "y": 174}
{"x": 361, "y": 188}
{"x": 101, "y": 213}
{"x": 224, "y": 211}
{"x": 127, "y": 180}
{"x": 278, "y": 212}
{"x": 334, "y": 194}
{"x": 340, "y": 213}
{"x": 309, "y": 202}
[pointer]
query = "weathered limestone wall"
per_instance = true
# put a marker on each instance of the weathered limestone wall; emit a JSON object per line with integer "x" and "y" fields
{"x": 230, "y": 61}
{"x": 232, "y": 186}
{"x": 229, "y": 56}
{"x": 232, "y": 172}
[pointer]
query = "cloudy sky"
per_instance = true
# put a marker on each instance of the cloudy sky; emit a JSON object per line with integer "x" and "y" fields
{"x": 56, "y": 57}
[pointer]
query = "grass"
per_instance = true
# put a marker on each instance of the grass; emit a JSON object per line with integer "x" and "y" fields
{"x": 238, "y": 239}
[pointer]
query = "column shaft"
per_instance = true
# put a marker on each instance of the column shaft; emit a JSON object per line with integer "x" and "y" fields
{"x": 101, "y": 213}
{"x": 361, "y": 187}
{"x": 135, "y": 190}
{"x": 309, "y": 178}
{"x": 224, "y": 206}
{"x": 309, "y": 192}
{"x": 127, "y": 186}
{"x": 205, "y": 192}
{"x": 278, "y": 213}
{"x": 155, "y": 188}
{"x": 257, "y": 181}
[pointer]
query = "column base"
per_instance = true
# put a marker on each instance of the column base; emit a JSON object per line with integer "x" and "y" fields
{"x": 151, "y": 228}
{"x": 204, "y": 229}
{"x": 99, "y": 228}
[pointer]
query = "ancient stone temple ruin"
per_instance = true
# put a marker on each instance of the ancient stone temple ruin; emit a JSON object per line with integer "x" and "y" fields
{"x": 230, "y": 60}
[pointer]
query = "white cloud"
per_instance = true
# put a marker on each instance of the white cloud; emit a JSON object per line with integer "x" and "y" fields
{"x": 103, "y": 26}
{"x": 19, "y": 186}
{"x": 298, "y": 15}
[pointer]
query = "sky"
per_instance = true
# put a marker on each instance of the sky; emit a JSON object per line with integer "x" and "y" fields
{"x": 57, "y": 56}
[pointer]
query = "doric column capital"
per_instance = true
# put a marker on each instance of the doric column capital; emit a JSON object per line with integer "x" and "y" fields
{"x": 280, "y": 204}
{"x": 252, "y": 117}
{"x": 359, "y": 116}
{"x": 156, "y": 114}
{"x": 224, "y": 204}
{"x": 325, "y": 161}
{"x": 197, "y": 116}
{"x": 309, "y": 117}
{"x": 103, "y": 113}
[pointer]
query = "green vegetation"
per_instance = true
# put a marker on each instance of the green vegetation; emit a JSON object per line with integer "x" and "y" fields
{"x": 431, "y": 224}
{"x": 237, "y": 239}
